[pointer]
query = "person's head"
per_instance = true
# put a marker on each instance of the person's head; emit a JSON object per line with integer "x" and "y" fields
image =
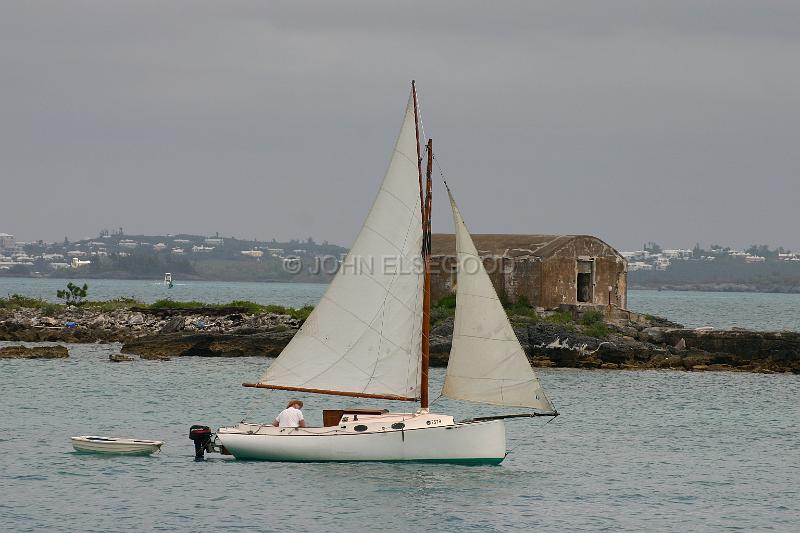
{"x": 297, "y": 404}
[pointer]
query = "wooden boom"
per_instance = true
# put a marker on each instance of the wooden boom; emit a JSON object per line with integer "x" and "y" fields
{"x": 331, "y": 392}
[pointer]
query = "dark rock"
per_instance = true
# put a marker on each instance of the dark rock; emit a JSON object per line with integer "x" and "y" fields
{"x": 443, "y": 328}
{"x": 777, "y": 350}
{"x": 207, "y": 311}
{"x": 205, "y": 344}
{"x": 634, "y": 340}
{"x": 174, "y": 324}
{"x": 155, "y": 357}
{"x": 653, "y": 334}
{"x": 34, "y": 352}
{"x": 119, "y": 358}
{"x": 538, "y": 336}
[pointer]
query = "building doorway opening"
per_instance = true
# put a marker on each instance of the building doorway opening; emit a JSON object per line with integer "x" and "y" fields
{"x": 585, "y": 283}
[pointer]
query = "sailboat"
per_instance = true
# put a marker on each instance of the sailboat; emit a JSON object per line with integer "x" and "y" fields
{"x": 369, "y": 338}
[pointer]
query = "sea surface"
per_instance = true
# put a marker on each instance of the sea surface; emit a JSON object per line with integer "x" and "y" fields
{"x": 632, "y": 451}
{"x": 759, "y": 311}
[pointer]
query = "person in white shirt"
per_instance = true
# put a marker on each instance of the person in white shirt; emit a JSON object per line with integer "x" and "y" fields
{"x": 291, "y": 417}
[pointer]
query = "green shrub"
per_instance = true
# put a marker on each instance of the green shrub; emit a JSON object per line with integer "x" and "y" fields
{"x": 168, "y": 303}
{"x": 250, "y": 307}
{"x": 521, "y": 308}
{"x": 277, "y": 309}
{"x": 302, "y": 313}
{"x": 298, "y": 314}
{"x": 16, "y": 301}
{"x": 596, "y": 329}
{"x": 440, "y": 314}
{"x": 117, "y": 304}
{"x": 49, "y": 309}
{"x": 73, "y": 294}
{"x": 561, "y": 317}
{"x": 446, "y": 302}
{"x": 592, "y": 317}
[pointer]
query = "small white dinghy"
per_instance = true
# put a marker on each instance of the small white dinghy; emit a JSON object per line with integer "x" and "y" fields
{"x": 97, "y": 444}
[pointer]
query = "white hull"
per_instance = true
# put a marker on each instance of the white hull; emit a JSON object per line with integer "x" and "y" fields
{"x": 440, "y": 441}
{"x": 95, "y": 444}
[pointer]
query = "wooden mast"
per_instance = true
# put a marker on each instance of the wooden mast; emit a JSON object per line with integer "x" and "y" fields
{"x": 424, "y": 205}
{"x": 426, "y": 294}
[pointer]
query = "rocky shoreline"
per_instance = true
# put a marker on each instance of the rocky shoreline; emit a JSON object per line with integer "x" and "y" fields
{"x": 629, "y": 341}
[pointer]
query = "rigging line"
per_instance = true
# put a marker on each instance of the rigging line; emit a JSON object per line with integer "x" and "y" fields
{"x": 441, "y": 172}
{"x": 520, "y": 442}
{"x": 251, "y": 405}
{"x": 419, "y": 113}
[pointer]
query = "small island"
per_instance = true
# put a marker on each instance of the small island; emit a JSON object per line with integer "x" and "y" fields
{"x": 589, "y": 337}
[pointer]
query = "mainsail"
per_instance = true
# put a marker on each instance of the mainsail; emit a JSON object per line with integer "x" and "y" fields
{"x": 364, "y": 336}
{"x": 487, "y": 363}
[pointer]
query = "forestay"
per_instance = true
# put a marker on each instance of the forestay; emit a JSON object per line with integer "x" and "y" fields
{"x": 364, "y": 336}
{"x": 487, "y": 363}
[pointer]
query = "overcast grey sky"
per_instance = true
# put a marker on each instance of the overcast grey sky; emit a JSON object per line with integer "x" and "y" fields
{"x": 633, "y": 121}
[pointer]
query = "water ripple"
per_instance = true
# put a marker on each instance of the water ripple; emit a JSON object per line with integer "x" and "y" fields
{"x": 633, "y": 451}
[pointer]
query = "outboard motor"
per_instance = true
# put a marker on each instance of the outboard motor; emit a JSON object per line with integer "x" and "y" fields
{"x": 201, "y": 435}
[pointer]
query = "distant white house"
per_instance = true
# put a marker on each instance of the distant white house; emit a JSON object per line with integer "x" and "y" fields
{"x": 77, "y": 263}
{"x": 159, "y": 246}
{"x": 253, "y": 253}
{"x": 178, "y": 251}
{"x": 754, "y": 259}
{"x": 677, "y": 254}
{"x": 662, "y": 263}
{"x": 127, "y": 243}
{"x": 639, "y": 265}
{"x": 216, "y": 241}
{"x": 6, "y": 240}
{"x": 202, "y": 249}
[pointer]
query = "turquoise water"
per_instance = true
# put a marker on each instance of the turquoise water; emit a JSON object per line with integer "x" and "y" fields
{"x": 750, "y": 310}
{"x": 148, "y": 291}
{"x": 723, "y": 310}
{"x": 632, "y": 451}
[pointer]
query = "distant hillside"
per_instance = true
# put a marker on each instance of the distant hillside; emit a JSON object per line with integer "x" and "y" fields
{"x": 187, "y": 257}
{"x": 721, "y": 274}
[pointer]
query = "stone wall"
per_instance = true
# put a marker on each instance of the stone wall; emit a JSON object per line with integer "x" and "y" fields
{"x": 547, "y": 280}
